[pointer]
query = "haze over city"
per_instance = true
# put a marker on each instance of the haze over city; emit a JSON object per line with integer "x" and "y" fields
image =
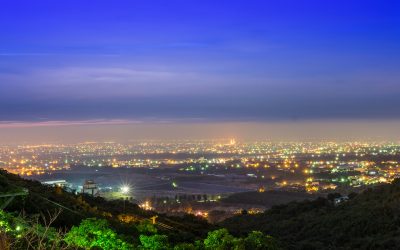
{"x": 127, "y": 131}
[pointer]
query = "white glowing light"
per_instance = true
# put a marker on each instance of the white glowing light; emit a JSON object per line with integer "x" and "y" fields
{"x": 125, "y": 189}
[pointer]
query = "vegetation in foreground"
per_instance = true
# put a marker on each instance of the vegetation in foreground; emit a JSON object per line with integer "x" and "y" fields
{"x": 92, "y": 233}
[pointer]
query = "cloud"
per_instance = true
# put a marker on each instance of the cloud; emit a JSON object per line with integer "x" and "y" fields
{"x": 100, "y": 82}
{"x": 155, "y": 93}
{"x": 19, "y": 124}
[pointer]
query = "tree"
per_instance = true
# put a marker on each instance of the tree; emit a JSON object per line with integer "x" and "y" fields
{"x": 145, "y": 227}
{"x": 256, "y": 240}
{"x": 185, "y": 246}
{"x": 24, "y": 233}
{"x": 94, "y": 233}
{"x": 219, "y": 240}
{"x": 154, "y": 242}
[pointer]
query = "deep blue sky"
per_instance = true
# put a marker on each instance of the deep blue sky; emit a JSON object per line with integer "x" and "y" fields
{"x": 199, "y": 60}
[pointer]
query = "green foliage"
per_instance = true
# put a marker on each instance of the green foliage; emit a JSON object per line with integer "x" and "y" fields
{"x": 146, "y": 227}
{"x": 256, "y": 240}
{"x": 219, "y": 240}
{"x": 17, "y": 227}
{"x": 222, "y": 240}
{"x": 25, "y": 233}
{"x": 185, "y": 246}
{"x": 5, "y": 222}
{"x": 154, "y": 242}
{"x": 97, "y": 234}
{"x": 199, "y": 244}
{"x": 94, "y": 233}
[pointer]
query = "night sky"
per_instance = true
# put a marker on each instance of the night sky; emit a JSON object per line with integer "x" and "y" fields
{"x": 199, "y": 61}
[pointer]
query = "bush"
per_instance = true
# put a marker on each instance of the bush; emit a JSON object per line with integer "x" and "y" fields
{"x": 154, "y": 242}
{"x": 94, "y": 233}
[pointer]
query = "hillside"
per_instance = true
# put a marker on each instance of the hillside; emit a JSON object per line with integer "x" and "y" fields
{"x": 267, "y": 198}
{"x": 84, "y": 222}
{"x": 370, "y": 220}
{"x": 42, "y": 198}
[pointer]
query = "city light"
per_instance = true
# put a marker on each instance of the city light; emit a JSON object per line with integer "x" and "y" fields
{"x": 125, "y": 189}
{"x": 146, "y": 205}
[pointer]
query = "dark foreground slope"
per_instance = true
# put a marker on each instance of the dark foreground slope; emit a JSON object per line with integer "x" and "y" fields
{"x": 84, "y": 222}
{"x": 42, "y": 199}
{"x": 370, "y": 220}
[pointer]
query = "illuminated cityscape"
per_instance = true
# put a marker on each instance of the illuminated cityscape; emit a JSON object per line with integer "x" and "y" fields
{"x": 362, "y": 163}
{"x": 161, "y": 175}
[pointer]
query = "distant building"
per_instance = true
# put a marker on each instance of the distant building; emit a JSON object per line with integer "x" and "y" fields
{"x": 90, "y": 187}
{"x": 56, "y": 183}
{"x": 341, "y": 200}
{"x": 346, "y": 168}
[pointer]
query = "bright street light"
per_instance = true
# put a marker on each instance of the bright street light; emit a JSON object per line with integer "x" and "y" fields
{"x": 125, "y": 189}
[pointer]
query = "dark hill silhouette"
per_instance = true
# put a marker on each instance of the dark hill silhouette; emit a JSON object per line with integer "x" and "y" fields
{"x": 369, "y": 220}
{"x": 76, "y": 207}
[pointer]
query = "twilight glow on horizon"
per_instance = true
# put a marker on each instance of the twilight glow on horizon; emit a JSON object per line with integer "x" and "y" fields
{"x": 103, "y": 62}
